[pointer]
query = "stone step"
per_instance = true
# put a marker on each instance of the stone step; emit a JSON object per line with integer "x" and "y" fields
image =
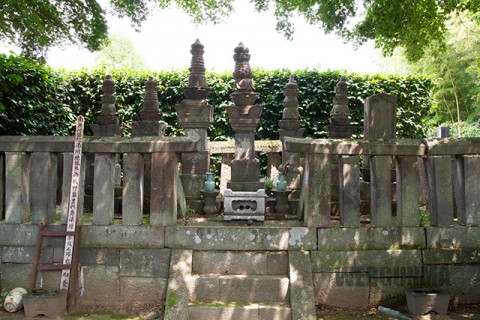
{"x": 240, "y": 288}
{"x": 225, "y": 311}
{"x": 240, "y": 263}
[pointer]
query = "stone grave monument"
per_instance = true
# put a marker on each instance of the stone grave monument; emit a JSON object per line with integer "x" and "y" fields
{"x": 244, "y": 198}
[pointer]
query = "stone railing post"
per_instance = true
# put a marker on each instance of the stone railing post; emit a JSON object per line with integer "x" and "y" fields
{"x": 17, "y": 207}
{"x": 43, "y": 184}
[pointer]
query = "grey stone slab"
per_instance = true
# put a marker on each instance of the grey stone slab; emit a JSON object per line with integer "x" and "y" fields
{"x": 439, "y": 175}
{"x": 301, "y": 286}
{"x": 274, "y": 313}
{"x": 349, "y": 192}
{"x": 16, "y": 198}
{"x": 176, "y": 304}
{"x": 100, "y": 281}
{"x": 205, "y": 288}
{"x": 380, "y": 117}
{"x": 462, "y": 282}
{"x": 277, "y": 263}
{"x": 24, "y": 255}
{"x": 143, "y": 289}
{"x": 453, "y": 238}
{"x": 346, "y": 239}
{"x": 13, "y": 275}
{"x": 254, "y": 288}
{"x": 408, "y": 191}
{"x": 389, "y": 263}
{"x": 117, "y": 236}
{"x": 342, "y": 290}
{"x": 333, "y": 261}
{"x": 471, "y": 167}
{"x": 18, "y": 234}
{"x": 103, "y": 189}
{"x": 381, "y": 191}
{"x": 43, "y": 186}
{"x": 99, "y": 256}
{"x": 163, "y": 197}
{"x": 240, "y": 238}
{"x": 145, "y": 262}
{"x": 48, "y": 280}
{"x": 239, "y": 313}
{"x": 208, "y": 262}
{"x": 193, "y": 184}
{"x": 2, "y": 185}
{"x": 390, "y": 292}
{"x": 450, "y": 256}
{"x": 133, "y": 182}
{"x": 317, "y": 190}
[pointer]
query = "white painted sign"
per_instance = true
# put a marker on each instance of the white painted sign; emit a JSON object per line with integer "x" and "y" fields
{"x": 73, "y": 203}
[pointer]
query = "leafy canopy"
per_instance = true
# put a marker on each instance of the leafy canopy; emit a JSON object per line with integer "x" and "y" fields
{"x": 35, "y": 25}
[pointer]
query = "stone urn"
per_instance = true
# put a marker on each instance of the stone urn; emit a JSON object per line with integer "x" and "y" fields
{"x": 421, "y": 301}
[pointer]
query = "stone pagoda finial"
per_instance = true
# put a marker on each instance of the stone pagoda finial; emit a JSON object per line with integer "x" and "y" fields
{"x": 151, "y": 110}
{"x": 290, "y": 111}
{"x": 339, "y": 127}
{"x": 197, "y": 82}
{"x": 107, "y": 122}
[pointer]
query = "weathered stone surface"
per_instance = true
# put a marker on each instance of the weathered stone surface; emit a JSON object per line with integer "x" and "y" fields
{"x": 380, "y": 117}
{"x": 9, "y": 234}
{"x": 441, "y": 190}
{"x": 277, "y": 263}
{"x": 43, "y": 186}
{"x": 242, "y": 205}
{"x": 133, "y": 181}
{"x": 390, "y": 292}
{"x": 453, "y": 238}
{"x": 254, "y": 288}
{"x": 48, "y": 280}
{"x": 99, "y": 281}
{"x": 16, "y": 208}
{"x": 208, "y": 262}
{"x": 344, "y": 290}
{"x": 114, "y": 236}
{"x": 145, "y": 262}
{"x": 104, "y": 189}
{"x": 408, "y": 190}
{"x": 345, "y": 239}
{"x": 471, "y": 167}
{"x": 24, "y": 255}
{"x": 15, "y": 275}
{"x": 317, "y": 190}
{"x": 333, "y": 261}
{"x": 176, "y": 304}
{"x": 143, "y": 289}
{"x": 301, "y": 286}
{"x": 99, "y": 256}
{"x": 381, "y": 191}
{"x": 274, "y": 313}
{"x": 240, "y": 238}
{"x": 450, "y": 256}
{"x": 389, "y": 263}
{"x": 205, "y": 288}
{"x": 240, "y": 313}
{"x": 462, "y": 282}
{"x": 349, "y": 186}
{"x": 163, "y": 198}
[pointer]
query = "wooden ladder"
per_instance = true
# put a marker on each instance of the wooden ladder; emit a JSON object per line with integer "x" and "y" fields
{"x": 73, "y": 266}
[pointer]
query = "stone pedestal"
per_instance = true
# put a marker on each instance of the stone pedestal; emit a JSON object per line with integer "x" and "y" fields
{"x": 281, "y": 207}
{"x": 210, "y": 199}
{"x": 52, "y": 304}
{"x": 244, "y": 205}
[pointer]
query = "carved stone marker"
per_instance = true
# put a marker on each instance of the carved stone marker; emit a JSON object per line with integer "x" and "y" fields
{"x": 339, "y": 127}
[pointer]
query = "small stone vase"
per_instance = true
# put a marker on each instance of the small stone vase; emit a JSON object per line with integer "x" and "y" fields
{"x": 210, "y": 182}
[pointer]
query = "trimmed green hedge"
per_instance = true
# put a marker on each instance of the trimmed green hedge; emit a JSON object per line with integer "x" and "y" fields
{"x": 32, "y": 99}
{"x": 81, "y": 91}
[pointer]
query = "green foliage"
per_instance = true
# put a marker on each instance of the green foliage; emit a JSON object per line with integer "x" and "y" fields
{"x": 35, "y": 100}
{"x": 120, "y": 53}
{"x": 36, "y": 25}
{"x": 32, "y": 99}
{"x": 316, "y": 96}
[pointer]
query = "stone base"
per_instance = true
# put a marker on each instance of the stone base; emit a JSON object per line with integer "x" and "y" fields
{"x": 196, "y": 205}
{"x": 192, "y": 185}
{"x": 421, "y": 301}
{"x": 244, "y": 205}
{"x": 245, "y": 186}
{"x": 52, "y": 304}
{"x": 340, "y": 132}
